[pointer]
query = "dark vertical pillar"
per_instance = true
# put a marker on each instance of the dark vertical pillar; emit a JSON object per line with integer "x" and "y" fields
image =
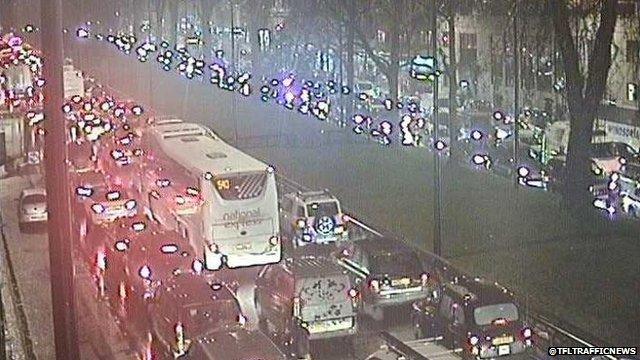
{"x": 437, "y": 208}
{"x": 516, "y": 87}
{"x": 61, "y": 263}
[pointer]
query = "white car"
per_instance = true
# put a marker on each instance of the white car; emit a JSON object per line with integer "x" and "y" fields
{"x": 32, "y": 208}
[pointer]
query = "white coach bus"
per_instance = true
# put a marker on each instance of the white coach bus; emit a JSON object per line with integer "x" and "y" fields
{"x": 238, "y": 221}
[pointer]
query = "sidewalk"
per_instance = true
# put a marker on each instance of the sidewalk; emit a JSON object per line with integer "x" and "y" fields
{"x": 99, "y": 336}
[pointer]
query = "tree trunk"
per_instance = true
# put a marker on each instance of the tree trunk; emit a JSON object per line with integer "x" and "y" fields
{"x": 583, "y": 95}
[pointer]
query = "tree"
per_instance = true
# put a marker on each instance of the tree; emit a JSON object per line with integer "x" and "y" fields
{"x": 585, "y": 89}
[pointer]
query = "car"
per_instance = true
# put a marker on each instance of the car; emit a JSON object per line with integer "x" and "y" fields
{"x": 110, "y": 202}
{"x": 610, "y": 157}
{"x": 389, "y": 274}
{"x": 197, "y": 318}
{"x": 478, "y": 316}
{"x": 138, "y": 266}
{"x": 313, "y": 217}
{"x": 305, "y": 299}
{"x": 32, "y": 208}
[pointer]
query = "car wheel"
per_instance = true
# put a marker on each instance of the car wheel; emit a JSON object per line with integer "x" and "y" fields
{"x": 418, "y": 331}
{"x": 300, "y": 344}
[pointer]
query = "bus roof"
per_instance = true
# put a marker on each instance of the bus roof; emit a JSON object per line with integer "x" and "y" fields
{"x": 200, "y": 150}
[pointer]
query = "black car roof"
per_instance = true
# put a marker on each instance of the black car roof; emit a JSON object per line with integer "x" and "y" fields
{"x": 313, "y": 267}
{"x": 478, "y": 292}
{"x": 189, "y": 288}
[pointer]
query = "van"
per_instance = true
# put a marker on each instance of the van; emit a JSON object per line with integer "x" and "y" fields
{"x": 305, "y": 299}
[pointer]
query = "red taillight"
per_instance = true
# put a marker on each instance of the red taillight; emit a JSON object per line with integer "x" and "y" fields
{"x": 353, "y": 293}
{"x": 374, "y": 285}
{"x": 424, "y": 278}
{"x": 473, "y": 340}
{"x": 101, "y": 261}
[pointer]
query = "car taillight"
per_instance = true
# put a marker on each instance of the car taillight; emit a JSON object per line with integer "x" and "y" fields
{"x": 145, "y": 272}
{"x": 130, "y": 205}
{"x": 139, "y": 226}
{"x": 374, "y": 285}
{"x": 113, "y": 195}
{"x": 101, "y": 260}
{"x": 353, "y": 293}
{"x": 197, "y": 266}
{"x": 424, "y": 278}
{"x": 97, "y": 208}
{"x": 473, "y": 340}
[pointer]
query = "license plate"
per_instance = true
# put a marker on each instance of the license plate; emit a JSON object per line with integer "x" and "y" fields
{"x": 246, "y": 246}
{"x": 503, "y": 350}
{"x": 399, "y": 282}
{"x": 330, "y": 325}
{"x": 503, "y": 340}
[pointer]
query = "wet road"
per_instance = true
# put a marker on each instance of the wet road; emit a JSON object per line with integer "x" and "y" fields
{"x": 519, "y": 237}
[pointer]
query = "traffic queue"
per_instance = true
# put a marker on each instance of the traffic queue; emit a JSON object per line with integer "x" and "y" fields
{"x": 150, "y": 276}
{"x": 141, "y": 187}
{"x": 320, "y": 291}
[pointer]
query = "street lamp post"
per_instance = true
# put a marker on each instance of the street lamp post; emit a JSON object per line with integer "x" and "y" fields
{"x": 437, "y": 204}
{"x": 233, "y": 68}
{"x": 60, "y": 246}
{"x": 516, "y": 88}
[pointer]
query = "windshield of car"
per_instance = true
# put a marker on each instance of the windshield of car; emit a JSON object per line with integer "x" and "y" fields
{"x": 485, "y": 315}
{"x": 328, "y": 208}
{"x": 34, "y": 199}
{"x": 395, "y": 264}
{"x": 217, "y": 315}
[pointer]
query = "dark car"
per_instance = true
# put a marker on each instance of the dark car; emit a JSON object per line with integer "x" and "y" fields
{"x": 480, "y": 317}
{"x": 195, "y": 318}
{"x": 388, "y": 272}
{"x": 305, "y": 299}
